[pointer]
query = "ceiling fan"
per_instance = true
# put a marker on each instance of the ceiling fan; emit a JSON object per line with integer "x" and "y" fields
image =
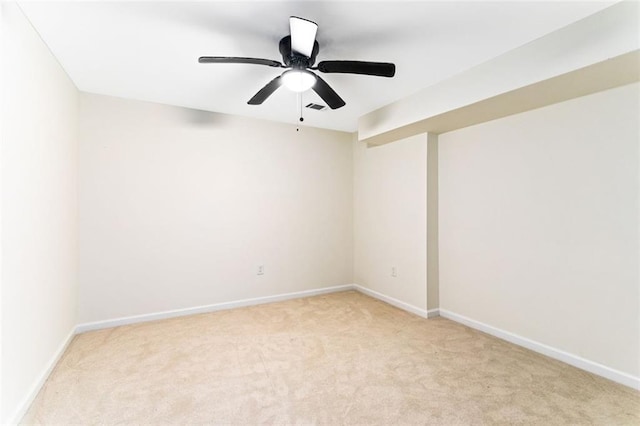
{"x": 299, "y": 51}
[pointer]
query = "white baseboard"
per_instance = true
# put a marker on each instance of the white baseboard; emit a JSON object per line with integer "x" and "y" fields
{"x": 574, "y": 360}
{"x": 24, "y": 405}
{"x": 98, "y": 325}
{"x": 390, "y": 300}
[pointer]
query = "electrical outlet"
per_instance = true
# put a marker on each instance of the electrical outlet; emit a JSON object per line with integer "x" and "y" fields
{"x": 394, "y": 271}
{"x": 260, "y": 270}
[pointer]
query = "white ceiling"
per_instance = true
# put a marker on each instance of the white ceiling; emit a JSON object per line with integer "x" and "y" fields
{"x": 148, "y": 50}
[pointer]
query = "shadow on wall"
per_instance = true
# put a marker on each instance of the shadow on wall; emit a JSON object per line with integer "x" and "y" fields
{"x": 202, "y": 118}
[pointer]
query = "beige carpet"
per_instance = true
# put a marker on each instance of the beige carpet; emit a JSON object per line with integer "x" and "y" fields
{"x": 342, "y": 358}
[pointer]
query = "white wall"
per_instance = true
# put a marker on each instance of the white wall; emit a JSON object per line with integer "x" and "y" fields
{"x": 390, "y": 219}
{"x": 179, "y": 207}
{"x": 39, "y": 210}
{"x": 539, "y": 226}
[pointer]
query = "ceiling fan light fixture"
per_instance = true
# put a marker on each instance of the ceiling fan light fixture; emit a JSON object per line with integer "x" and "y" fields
{"x": 298, "y": 80}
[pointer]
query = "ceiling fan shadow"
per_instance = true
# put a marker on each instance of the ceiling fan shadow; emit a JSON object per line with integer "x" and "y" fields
{"x": 201, "y": 118}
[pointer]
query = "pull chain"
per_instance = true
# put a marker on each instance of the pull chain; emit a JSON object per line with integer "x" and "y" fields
{"x": 299, "y": 99}
{"x": 300, "y": 106}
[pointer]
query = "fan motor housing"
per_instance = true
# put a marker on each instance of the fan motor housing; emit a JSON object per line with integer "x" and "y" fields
{"x": 296, "y": 60}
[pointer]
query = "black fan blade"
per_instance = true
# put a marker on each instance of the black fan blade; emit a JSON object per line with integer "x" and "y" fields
{"x": 380, "y": 69}
{"x": 327, "y": 93}
{"x": 236, "y": 60}
{"x": 266, "y": 91}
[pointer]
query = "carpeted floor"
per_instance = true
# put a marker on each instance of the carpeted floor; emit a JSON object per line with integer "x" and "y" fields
{"x": 343, "y": 358}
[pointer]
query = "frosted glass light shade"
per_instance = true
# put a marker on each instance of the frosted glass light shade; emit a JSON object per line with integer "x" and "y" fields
{"x": 298, "y": 80}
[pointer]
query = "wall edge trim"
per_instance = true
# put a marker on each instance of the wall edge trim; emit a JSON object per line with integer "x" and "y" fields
{"x": 392, "y": 301}
{"x": 134, "y": 319}
{"x": 35, "y": 388}
{"x": 432, "y": 313}
{"x": 558, "y": 354}
{"x": 568, "y": 358}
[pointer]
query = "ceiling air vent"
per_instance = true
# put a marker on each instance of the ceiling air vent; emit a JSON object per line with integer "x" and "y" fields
{"x": 317, "y": 107}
